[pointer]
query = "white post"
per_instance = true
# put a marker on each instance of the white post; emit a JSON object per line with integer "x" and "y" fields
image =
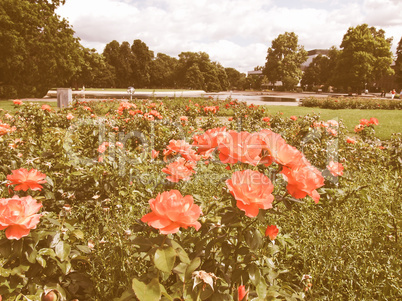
{"x": 64, "y": 97}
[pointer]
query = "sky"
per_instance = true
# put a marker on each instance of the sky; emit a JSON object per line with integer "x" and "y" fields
{"x": 235, "y": 33}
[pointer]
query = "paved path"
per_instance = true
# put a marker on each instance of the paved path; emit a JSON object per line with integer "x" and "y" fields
{"x": 251, "y": 97}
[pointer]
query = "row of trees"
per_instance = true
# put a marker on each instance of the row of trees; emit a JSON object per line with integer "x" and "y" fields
{"x": 38, "y": 51}
{"x": 137, "y": 66}
{"x": 364, "y": 58}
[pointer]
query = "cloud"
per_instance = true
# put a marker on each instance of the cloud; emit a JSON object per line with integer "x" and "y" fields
{"x": 383, "y": 13}
{"x": 236, "y": 33}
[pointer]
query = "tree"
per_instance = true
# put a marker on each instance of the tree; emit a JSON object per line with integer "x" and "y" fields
{"x": 365, "y": 57}
{"x": 93, "y": 71}
{"x": 122, "y": 60}
{"x": 284, "y": 60}
{"x": 125, "y": 71}
{"x": 194, "y": 78}
{"x": 111, "y": 53}
{"x": 37, "y": 49}
{"x": 211, "y": 76}
{"x": 222, "y": 76}
{"x": 317, "y": 73}
{"x": 236, "y": 79}
{"x": 398, "y": 64}
{"x": 141, "y": 66}
{"x": 162, "y": 71}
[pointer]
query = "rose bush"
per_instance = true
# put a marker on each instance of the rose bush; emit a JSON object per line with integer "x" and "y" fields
{"x": 118, "y": 228}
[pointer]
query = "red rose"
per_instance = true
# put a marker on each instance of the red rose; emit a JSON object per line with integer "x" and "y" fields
{"x": 252, "y": 191}
{"x": 373, "y": 121}
{"x": 208, "y": 140}
{"x": 18, "y": 216}
{"x": 179, "y": 170}
{"x": 272, "y": 232}
{"x": 26, "y": 179}
{"x": 279, "y": 151}
{"x": 335, "y": 168}
{"x": 243, "y": 147}
{"x": 242, "y": 293}
{"x": 170, "y": 211}
{"x": 303, "y": 181}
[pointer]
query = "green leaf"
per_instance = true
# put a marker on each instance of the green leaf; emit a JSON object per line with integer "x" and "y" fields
{"x": 180, "y": 270}
{"x": 257, "y": 240}
{"x": 5, "y": 272}
{"x": 31, "y": 257}
{"x": 49, "y": 181}
{"x": 62, "y": 250}
{"x": 164, "y": 259}
{"x": 147, "y": 292}
{"x": 195, "y": 263}
{"x": 20, "y": 270}
{"x": 47, "y": 251}
{"x": 41, "y": 261}
{"x": 84, "y": 249}
{"x": 180, "y": 252}
{"x": 261, "y": 289}
{"x": 254, "y": 273}
{"x": 144, "y": 244}
{"x": 78, "y": 234}
{"x": 65, "y": 267}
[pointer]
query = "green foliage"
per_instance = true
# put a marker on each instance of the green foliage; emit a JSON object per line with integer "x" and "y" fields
{"x": 365, "y": 57}
{"x": 37, "y": 49}
{"x": 352, "y": 103}
{"x": 317, "y": 73}
{"x": 237, "y": 80}
{"x": 91, "y": 245}
{"x": 196, "y": 71}
{"x": 398, "y": 64}
{"x": 284, "y": 60}
{"x": 162, "y": 71}
{"x": 92, "y": 70}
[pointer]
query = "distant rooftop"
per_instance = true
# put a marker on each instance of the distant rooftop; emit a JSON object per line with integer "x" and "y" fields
{"x": 311, "y": 54}
{"x": 318, "y": 51}
{"x": 255, "y": 72}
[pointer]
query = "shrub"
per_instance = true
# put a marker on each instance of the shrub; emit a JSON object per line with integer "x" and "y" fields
{"x": 352, "y": 103}
{"x": 105, "y": 163}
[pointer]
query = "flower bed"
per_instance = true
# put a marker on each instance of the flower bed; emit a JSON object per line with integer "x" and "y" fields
{"x": 195, "y": 200}
{"x": 352, "y": 103}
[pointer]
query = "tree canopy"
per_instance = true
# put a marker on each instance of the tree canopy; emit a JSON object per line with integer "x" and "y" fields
{"x": 398, "y": 64}
{"x": 365, "y": 56}
{"x": 38, "y": 50}
{"x": 195, "y": 70}
{"x": 317, "y": 73}
{"x": 284, "y": 60}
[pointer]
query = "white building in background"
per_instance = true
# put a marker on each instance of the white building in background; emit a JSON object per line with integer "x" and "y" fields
{"x": 311, "y": 54}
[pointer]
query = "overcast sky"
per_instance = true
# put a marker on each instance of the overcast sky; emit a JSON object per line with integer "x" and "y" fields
{"x": 235, "y": 33}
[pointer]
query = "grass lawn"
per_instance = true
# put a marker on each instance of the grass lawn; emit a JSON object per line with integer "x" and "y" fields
{"x": 9, "y": 106}
{"x": 390, "y": 121}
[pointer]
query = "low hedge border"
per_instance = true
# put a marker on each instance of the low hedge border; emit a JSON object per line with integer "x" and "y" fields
{"x": 352, "y": 103}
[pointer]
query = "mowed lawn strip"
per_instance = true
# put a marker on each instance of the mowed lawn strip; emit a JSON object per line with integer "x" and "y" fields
{"x": 390, "y": 121}
{"x": 9, "y": 106}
